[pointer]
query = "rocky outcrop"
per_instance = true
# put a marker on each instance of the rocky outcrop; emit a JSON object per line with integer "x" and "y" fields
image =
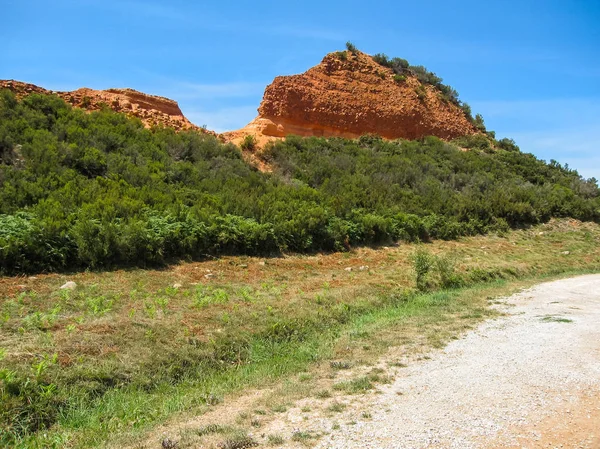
{"x": 349, "y": 95}
{"x": 152, "y": 110}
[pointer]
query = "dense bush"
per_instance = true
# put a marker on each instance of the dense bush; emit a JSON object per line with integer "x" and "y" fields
{"x": 98, "y": 190}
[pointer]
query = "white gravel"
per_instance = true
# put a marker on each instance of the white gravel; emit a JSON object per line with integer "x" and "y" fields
{"x": 510, "y": 372}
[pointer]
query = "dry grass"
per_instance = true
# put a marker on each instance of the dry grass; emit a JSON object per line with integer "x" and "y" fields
{"x": 130, "y": 327}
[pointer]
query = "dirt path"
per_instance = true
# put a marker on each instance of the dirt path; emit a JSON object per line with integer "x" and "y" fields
{"x": 529, "y": 380}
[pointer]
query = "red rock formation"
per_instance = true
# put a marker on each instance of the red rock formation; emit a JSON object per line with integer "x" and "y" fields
{"x": 151, "y": 109}
{"x": 351, "y": 97}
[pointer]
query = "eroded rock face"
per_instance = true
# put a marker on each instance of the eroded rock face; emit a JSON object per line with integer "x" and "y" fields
{"x": 352, "y": 97}
{"x": 151, "y": 109}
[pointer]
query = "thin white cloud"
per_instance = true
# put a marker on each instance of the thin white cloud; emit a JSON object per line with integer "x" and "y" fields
{"x": 311, "y": 33}
{"x": 148, "y": 9}
{"x": 577, "y": 147}
{"x": 184, "y": 90}
{"x": 558, "y": 110}
{"x": 564, "y": 129}
{"x": 223, "y": 119}
{"x": 189, "y": 16}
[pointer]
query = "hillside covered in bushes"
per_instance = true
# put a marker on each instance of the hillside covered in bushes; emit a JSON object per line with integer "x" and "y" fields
{"x": 97, "y": 190}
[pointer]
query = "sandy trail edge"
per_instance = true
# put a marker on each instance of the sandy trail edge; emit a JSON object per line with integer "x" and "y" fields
{"x": 520, "y": 381}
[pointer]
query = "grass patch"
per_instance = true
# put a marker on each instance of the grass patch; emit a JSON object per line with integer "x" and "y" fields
{"x": 281, "y": 408}
{"x": 323, "y": 394}
{"x": 302, "y": 436}
{"x": 275, "y": 440}
{"x": 364, "y": 383}
{"x": 212, "y": 429}
{"x": 556, "y": 319}
{"x": 128, "y": 346}
{"x": 355, "y": 386}
{"x": 241, "y": 441}
{"x": 340, "y": 364}
{"x": 337, "y": 407}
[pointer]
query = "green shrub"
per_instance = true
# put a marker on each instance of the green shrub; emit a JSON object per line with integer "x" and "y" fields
{"x": 351, "y": 47}
{"x": 249, "y": 143}
{"x": 446, "y": 269}
{"x": 98, "y": 190}
{"x": 467, "y": 111}
{"x": 342, "y": 55}
{"x": 422, "y": 262}
{"x": 474, "y": 141}
{"x": 479, "y": 123}
{"x": 382, "y": 59}
{"x": 421, "y": 92}
{"x": 507, "y": 145}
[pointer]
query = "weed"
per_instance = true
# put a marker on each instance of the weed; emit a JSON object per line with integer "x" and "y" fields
{"x": 212, "y": 399}
{"x": 302, "y": 436}
{"x": 556, "y": 319}
{"x": 239, "y": 441}
{"x": 99, "y": 305}
{"x": 205, "y": 296}
{"x": 340, "y": 365}
{"x": 304, "y": 377}
{"x": 399, "y": 364}
{"x": 355, "y": 386}
{"x": 168, "y": 443}
{"x": 323, "y": 394}
{"x": 366, "y": 415}
{"x": 337, "y": 407}
{"x": 275, "y": 440}
{"x": 241, "y": 417}
{"x": 212, "y": 429}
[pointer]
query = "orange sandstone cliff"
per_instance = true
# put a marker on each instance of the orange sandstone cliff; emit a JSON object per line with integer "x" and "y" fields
{"x": 345, "y": 96}
{"x": 349, "y": 97}
{"x": 150, "y": 109}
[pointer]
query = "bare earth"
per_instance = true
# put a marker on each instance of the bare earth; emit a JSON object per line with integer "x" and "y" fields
{"x": 530, "y": 379}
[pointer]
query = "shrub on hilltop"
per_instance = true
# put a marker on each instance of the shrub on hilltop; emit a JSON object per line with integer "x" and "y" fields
{"x": 402, "y": 68}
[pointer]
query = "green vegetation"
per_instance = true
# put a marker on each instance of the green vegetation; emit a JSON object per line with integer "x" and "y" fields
{"x": 275, "y": 440}
{"x": 99, "y": 191}
{"x": 342, "y": 55}
{"x": 351, "y": 47}
{"x": 128, "y": 345}
{"x": 249, "y": 143}
{"x": 402, "y": 67}
{"x": 556, "y": 319}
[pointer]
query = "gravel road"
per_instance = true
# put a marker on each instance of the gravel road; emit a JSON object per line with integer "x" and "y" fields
{"x": 530, "y": 379}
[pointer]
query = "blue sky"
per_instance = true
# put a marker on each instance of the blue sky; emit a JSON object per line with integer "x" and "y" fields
{"x": 532, "y": 68}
